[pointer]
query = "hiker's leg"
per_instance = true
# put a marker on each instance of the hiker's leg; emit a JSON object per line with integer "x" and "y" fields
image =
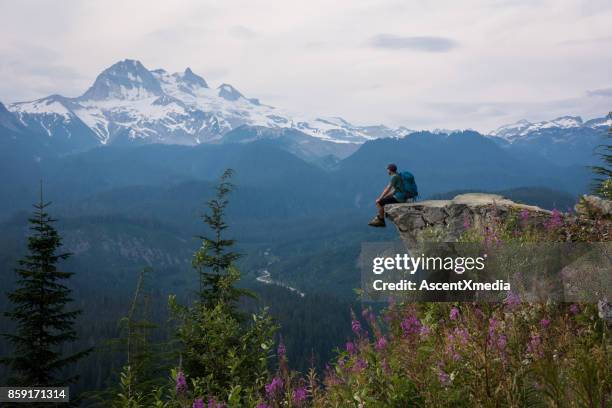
{"x": 381, "y": 210}
{"x": 379, "y": 220}
{"x": 381, "y": 205}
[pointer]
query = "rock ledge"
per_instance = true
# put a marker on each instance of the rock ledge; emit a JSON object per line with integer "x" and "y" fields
{"x": 452, "y": 216}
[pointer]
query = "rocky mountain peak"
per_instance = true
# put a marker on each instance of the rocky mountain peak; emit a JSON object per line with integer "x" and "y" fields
{"x": 228, "y": 92}
{"x": 194, "y": 79}
{"x": 127, "y": 79}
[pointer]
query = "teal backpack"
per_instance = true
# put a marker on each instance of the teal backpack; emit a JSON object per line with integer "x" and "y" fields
{"x": 410, "y": 187}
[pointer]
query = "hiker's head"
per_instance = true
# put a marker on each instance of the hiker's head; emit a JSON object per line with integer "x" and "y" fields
{"x": 392, "y": 168}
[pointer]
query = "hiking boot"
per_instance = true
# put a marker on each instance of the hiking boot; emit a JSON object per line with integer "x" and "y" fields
{"x": 377, "y": 222}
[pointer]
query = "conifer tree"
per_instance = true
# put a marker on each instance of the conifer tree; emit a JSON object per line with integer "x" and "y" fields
{"x": 214, "y": 258}
{"x": 44, "y": 323}
{"x": 221, "y": 351}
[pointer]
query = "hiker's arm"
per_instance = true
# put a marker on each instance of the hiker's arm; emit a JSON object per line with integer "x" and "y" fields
{"x": 385, "y": 192}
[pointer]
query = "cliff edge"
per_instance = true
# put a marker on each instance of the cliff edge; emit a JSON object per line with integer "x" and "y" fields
{"x": 454, "y": 216}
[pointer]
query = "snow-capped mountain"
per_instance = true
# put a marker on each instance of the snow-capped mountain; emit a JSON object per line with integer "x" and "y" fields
{"x": 128, "y": 102}
{"x": 525, "y": 129}
{"x": 566, "y": 140}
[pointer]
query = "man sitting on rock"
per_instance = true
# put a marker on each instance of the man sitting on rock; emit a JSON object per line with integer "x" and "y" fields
{"x": 394, "y": 193}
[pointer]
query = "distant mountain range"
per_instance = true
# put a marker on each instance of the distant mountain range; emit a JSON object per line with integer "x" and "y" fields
{"x": 524, "y": 129}
{"x": 462, "y": 160}
{"x": 567, "y": 140}
{"x": 129, "y": 104}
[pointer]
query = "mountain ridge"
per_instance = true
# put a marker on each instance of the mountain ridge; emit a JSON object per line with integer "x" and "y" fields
{"x": 523, "y": 128}
{"x": 173, "y": 108}
{"x": 130, "y": 104}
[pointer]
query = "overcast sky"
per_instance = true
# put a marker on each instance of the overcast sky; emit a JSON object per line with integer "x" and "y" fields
{"x": 418, "y": 63}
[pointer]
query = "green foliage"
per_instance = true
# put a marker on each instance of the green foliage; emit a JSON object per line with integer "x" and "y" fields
{"x": 44, "y": 324}
{"x": 489, "y": 355}
{"x": 225, "y": 356}
{"x": 220, "y": 352}
{"x": 144, "y": 360}
{"x": 222, "y": 356}
{"x": 603, "y": 184}
{"x": 128, "y": 397}
{"x": 589, "y": 224}
{"x": 138, "y": 327}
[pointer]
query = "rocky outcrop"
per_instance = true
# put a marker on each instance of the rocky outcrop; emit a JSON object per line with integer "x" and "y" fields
{"x": 452, "y": 217}
{"x": 592, "y": 205}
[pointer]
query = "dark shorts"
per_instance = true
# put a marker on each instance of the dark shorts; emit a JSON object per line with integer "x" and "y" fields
{"x": 388, "y": 200}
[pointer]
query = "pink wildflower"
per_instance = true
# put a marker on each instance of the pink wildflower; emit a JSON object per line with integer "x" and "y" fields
{"x": 411, "y": 325}
{"x": 535, "y": 345}
{"x": 556, "y": 220}
{"x": 502, "y": 340}
{"x": 356, "y": 327}
{"x": 574, "y": 309}
{"x": 492, "y": 326}
{"x": 360, "y": 365}
{"x": 381, "y": 344}
{"x": 181, "y": 383}
{"x": 299, "y": 396}
{"x": 274, "y": 387}
{"x": 443, "y": 377}
{"x": 512, "y": 300}
{"x": 466, "y": 222}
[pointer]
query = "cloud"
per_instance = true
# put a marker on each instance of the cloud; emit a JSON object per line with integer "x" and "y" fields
{"x": 35, "y": 71}
{"x": 605, "y": 92}
{"x": 480, "y": 109}
{"x": 586, "y": 41}
{"x": 502, "y": 112}
{"x": 242, "y": 32}
{"x": 419, "y": 43}
{"x": 501, "y": 59}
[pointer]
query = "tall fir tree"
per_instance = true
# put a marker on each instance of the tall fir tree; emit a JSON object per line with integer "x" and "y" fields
{"x": 215, "y": 257}
{"x": 225, "y": 354}
{"x": 44, "y": 324}
{"x": 603, "y": 183}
